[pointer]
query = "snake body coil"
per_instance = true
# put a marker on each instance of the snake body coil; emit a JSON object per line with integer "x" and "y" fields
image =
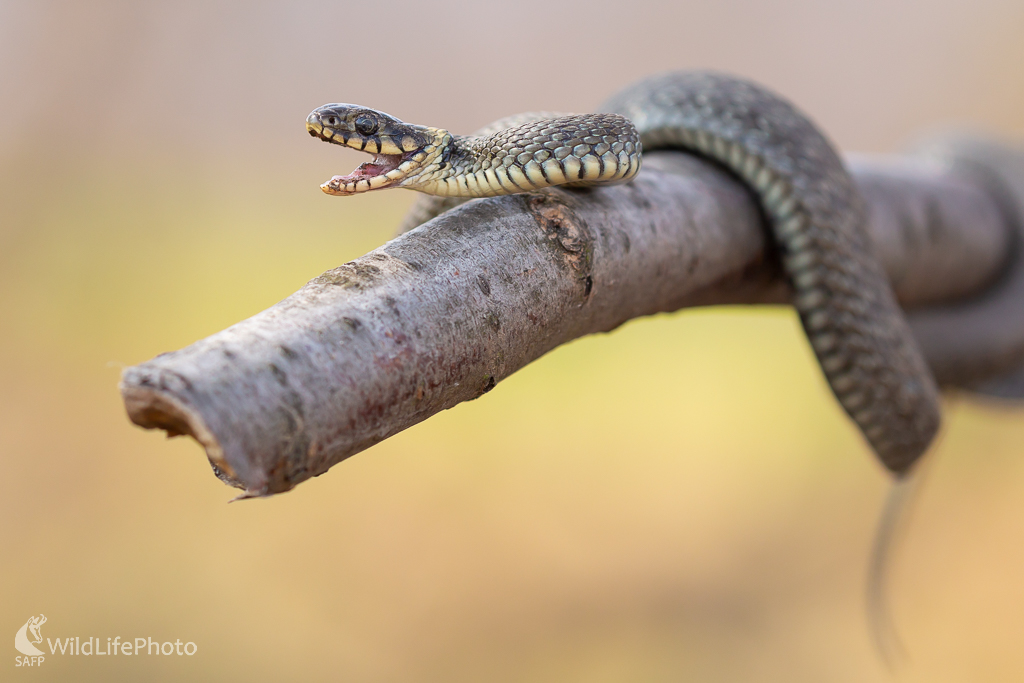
{"x": 816, "y": 215}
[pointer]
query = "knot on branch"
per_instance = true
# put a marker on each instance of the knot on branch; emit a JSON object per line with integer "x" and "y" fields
{"x": 565, "y": 229}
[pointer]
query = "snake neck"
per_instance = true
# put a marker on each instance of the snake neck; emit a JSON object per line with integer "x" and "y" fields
{"x": 574, "y": 149}
{"x": 454, "y": 156}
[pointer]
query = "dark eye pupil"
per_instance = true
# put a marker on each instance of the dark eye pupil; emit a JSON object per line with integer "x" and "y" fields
{"x": 365, "y": 125}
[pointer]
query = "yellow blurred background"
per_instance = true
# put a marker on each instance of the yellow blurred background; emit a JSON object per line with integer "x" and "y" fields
{"x": 679, "y": 500}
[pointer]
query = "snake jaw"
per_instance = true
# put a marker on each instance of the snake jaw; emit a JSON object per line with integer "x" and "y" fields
{"x": 380, "y": 172}
{"x": 400, "y": 150}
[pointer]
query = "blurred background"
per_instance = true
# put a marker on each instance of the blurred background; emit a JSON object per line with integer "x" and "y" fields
{"x": 681, "y": 499}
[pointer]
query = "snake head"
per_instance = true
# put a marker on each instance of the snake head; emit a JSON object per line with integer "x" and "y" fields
{"x": 400, "y": 150}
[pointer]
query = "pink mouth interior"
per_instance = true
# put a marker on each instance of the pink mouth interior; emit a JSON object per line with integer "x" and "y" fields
{"x": 379, "y": 165}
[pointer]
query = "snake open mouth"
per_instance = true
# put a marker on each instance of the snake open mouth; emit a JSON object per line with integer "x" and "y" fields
{"x": 369, "y": 175}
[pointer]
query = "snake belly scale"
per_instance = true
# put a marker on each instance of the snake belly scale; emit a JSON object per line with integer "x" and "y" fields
{"x": 844, "y": 300}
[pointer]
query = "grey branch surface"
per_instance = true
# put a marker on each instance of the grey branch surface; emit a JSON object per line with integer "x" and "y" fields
{"x": 441, "y": 314}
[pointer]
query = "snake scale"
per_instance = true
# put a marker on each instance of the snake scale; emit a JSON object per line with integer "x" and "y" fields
{"x": 844, "y": 300}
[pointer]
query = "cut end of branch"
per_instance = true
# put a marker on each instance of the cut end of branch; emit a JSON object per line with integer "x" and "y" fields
{"x": 152, "y": 408}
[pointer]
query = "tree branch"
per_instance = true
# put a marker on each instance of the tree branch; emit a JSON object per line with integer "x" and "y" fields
{"x": 441, "y": 314}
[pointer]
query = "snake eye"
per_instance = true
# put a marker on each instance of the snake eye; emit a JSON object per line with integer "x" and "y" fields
{"x": 366, "y": 125}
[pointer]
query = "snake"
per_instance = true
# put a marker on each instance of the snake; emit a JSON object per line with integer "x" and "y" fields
{"x": 815, "y": 213}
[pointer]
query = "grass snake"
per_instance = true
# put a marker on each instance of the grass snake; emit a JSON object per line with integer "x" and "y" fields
{"x": 817, "y": 217}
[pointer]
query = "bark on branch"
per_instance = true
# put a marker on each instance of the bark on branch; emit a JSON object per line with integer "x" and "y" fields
{"x": 442, "y": 314}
